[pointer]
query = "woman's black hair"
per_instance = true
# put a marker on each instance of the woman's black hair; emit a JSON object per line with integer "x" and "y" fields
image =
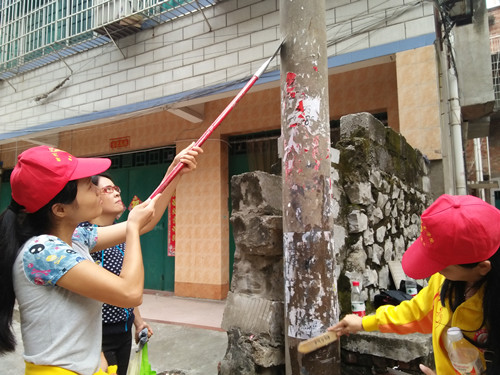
{"x": 95, "y": 178}
{"x": 453, "y": 293}
{"x": 16, "y": 227}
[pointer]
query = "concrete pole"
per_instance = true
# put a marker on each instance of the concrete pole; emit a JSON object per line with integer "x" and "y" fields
{"x": 456, "y": 127}
{"x": 310, "y": 298}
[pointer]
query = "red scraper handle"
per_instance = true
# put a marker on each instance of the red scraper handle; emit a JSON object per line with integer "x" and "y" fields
{"x": 174, "y": 172}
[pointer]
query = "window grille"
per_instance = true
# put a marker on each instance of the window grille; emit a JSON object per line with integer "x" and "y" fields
{"x": 495, "y": 68}
{"x": 164, "y": 155}
{"x": 37, "y": 32}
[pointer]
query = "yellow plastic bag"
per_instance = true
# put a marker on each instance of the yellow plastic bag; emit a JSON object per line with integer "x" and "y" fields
{"x": 111, "y": 370}
{"x": 32, "y": 369}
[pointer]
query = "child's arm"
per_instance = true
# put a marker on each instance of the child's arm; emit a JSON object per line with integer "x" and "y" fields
{"x": 350, "y": 324}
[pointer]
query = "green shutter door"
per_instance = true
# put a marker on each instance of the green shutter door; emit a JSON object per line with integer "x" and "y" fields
{"x": 141, "y": 181}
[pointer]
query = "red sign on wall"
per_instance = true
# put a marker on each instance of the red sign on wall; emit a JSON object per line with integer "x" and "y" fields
{"x": 171, "y": 227}
{"x": 119, "y": 142}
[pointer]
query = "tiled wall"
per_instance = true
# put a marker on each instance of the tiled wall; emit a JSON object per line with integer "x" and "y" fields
{"x": 418, "y": 100}
{"x": 372, "y": 89}
{"x": 186, "y": 54}
{"x": 201, "y": 263}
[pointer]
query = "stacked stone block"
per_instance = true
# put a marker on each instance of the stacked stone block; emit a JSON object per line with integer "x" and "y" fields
{"x": 382, "y": 186}
{"x": 254, "y": 312}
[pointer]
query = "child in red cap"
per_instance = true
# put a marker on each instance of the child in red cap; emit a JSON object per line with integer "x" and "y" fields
{"x": 45, "y": 262}
{"x": 458, "y": 245}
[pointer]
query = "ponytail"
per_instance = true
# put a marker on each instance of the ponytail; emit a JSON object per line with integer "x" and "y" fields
{"x": 9, "y": 248}
{"x": 491, "y": 307}
{"x": 16, "y": 227}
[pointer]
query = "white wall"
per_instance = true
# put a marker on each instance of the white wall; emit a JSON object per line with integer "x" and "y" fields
{"x": 185, "y": 55}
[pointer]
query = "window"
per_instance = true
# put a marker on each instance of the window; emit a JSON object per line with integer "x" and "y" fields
{"x": 37, "y": 32}
{"x": 495, "y": 67}
{"x": 30, "y": 29}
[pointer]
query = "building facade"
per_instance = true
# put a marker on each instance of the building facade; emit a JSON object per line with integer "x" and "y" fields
{"x": 139, "y": 80}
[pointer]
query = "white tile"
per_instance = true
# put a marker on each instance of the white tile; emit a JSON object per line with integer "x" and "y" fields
{"x": 204, "y": 67}
{"x": 250, "y": 26}
{"x": 387, "y": 35}
{"x": 226, "y": 61}
{"x": 195, "y": 29}
{"x": 263, "y": 7}
{"x": 250, "y": 54}
{"x": 183, "y": 72}
{"x": 215, "y": 78}
{"x": 351, "y": 11}
{"x": 238, "y": 16}
{"x": 420, "y": 26}
{"x": 182, "y": 47}
{"x": 192, "y": 83}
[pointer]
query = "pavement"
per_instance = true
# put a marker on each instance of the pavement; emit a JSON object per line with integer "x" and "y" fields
{"x": 187, "y": 337}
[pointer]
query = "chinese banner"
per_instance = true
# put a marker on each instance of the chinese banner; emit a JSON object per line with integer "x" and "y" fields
{"x": 171, "y": 227}
{"x": 135, "y": 201}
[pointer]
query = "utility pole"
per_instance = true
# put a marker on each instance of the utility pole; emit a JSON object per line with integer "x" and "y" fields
{"x": 310, "y": 287}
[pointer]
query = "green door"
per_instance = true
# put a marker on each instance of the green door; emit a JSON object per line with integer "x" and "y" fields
{"x": 140, "y": 181}
{"x": 5, "y": 197}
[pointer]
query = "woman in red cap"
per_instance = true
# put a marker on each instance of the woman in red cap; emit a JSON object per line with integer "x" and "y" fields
{"x": 45, "y": 262}
{"x": 117, "y": 321}
{"x": 458, "y": 247}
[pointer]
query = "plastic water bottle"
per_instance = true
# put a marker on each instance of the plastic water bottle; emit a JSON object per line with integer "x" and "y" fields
{"x": 357, "y": 303}
{"x": 411, "y": 287}
{"x": 463, "y": 355}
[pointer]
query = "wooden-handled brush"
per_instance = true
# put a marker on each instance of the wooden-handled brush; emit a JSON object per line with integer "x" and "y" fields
{"x": 317, "y": 342}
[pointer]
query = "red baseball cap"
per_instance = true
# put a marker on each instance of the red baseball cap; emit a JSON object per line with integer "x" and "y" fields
{"x": 42, "y": 172}
{"x": 455, "y": 229}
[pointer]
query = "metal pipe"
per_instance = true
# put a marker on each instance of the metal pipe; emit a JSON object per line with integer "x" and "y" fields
{"x": 479, "y": 165}
{"x": 456, "y": 131}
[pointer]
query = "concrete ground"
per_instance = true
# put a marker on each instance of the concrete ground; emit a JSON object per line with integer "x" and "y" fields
{"x": 187, "y": 336}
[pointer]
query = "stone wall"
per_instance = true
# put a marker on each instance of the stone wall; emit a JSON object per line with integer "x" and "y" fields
{"x": 380, "y": 187}
{"x": 254, "y": 315}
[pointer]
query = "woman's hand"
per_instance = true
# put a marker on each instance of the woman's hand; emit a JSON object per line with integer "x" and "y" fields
{"x": 142, "y": 214}
{"x": 426, "y": 370}
{"x": 188, "y": 157}
{"x": 140, "y": 327}
{"x": 350, "y": 324}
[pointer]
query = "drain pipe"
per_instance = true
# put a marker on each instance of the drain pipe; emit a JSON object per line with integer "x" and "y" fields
{"x": 456, "y": 128}
{"x": 478, "y": 161}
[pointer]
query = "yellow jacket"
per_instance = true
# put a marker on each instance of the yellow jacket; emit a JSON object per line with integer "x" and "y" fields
{"x": 424, "y": 313}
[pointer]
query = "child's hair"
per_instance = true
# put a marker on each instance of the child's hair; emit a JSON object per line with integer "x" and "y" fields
{"x": 453, "y": 293}
{"x": 16, "y": 227}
